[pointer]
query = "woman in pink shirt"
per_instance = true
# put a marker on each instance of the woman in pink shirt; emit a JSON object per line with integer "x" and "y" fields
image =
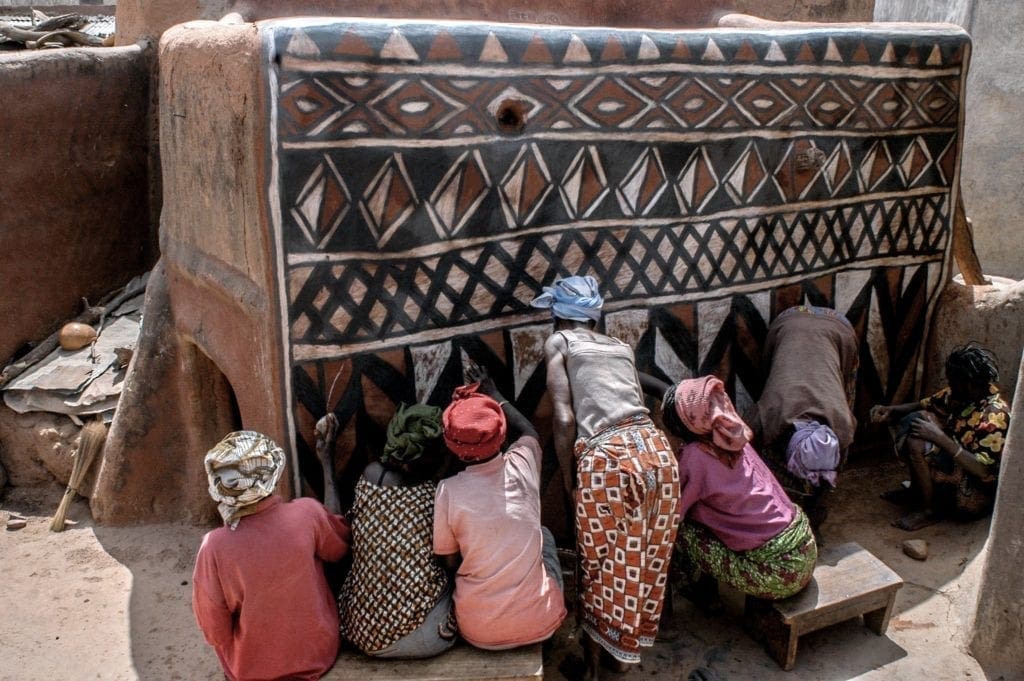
{"x": 738, "y": 524}
{"x": 508, "y": 583}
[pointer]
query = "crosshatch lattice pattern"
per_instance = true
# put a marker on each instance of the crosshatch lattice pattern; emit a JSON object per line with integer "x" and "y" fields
{"x": 686, "y": 170}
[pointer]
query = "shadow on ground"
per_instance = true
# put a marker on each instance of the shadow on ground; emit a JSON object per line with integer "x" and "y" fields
{"x": 166, "y": 644}
{"x": 115, "y": 603}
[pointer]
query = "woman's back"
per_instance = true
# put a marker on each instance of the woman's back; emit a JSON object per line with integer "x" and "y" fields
{"x": 603, "y": 378}
{"x": 394, "y": 581}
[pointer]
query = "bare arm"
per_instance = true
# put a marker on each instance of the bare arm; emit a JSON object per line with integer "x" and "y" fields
{"x": 927, "y": 429}
{"x": 894, "y": 412}
{"x": 518, "y": 424}
{"x": 652, "y": 387}
{"x": 326, "y": 432}
{"x": 563, "y": 417}
{"x": 964, "y": 459}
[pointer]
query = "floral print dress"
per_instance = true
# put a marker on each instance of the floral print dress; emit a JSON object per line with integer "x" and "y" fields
{"x": 979, "y": 427}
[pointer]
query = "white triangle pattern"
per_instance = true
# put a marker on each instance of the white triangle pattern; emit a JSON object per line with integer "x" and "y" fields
{"x": 427, "y": 362}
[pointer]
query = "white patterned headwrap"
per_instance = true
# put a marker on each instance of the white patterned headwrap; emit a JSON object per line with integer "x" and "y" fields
{"x": 242, "y": 469}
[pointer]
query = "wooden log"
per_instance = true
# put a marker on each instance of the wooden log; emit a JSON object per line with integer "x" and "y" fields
{"x": 963, "y": 247}
{"x": 70, "y": 22}
{"x": 21, "y": 35}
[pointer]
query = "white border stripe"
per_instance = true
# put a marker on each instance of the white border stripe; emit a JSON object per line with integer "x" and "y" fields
{"x": 876, "y": 72}
{"x": 277, "y": 226}
{"x": 694, "y": 136}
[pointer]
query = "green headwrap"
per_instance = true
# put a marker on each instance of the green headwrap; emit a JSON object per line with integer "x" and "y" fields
{"x": 410, "y": 429}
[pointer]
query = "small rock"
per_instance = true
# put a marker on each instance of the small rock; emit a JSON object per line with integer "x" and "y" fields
{"x": 916, "y": 549}
{"x": 16, "y": 523}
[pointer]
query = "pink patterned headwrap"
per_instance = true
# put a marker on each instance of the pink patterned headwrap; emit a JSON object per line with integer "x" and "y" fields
{"x": 704, "y": 407}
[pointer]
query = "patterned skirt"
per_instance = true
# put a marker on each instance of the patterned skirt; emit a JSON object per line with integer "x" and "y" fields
{"x": 626, "y": 521}
{"x": 777, "y": 569}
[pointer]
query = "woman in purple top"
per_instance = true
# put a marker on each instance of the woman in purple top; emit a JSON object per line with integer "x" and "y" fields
{"x": 738, "y": 524}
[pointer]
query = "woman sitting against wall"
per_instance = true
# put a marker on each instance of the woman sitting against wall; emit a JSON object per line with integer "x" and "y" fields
{"x": 397, "y": 601}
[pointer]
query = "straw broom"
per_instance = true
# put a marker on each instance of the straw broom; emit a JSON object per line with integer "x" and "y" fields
{"x": 91, "y": 442}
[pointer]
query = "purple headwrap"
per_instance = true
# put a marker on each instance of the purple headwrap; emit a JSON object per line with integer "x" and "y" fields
{"x": 813, "y": 453}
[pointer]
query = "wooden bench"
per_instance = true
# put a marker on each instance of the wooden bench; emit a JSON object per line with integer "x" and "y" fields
{"x": 461, "y": 663}
{"x": 848, "y": 581}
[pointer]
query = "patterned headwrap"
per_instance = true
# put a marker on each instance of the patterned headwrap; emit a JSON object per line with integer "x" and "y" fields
{"x": 252, "y": 464}
{"x": 409, "y": 431}
{"x": 474, "y": 424}
{"x": 705, "y": 408}
{"x": 575, "y": 298}
{"x": 813, "y": 453}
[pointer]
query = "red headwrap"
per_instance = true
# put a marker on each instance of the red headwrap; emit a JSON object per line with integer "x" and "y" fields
{"x": 704, "y": 407}
{"x": 474, "y": 424}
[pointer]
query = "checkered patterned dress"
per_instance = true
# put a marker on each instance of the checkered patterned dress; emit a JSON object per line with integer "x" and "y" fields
{"x": 626, "y": 522}
{"x": 394, "y": 581}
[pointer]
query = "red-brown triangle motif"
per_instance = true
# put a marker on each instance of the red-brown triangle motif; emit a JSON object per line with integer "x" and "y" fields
{"x": 352, "y": 44}
{"x": 444, "y": 48}
{"x": 537, "y": 52}
{"x": 613, "y": 50}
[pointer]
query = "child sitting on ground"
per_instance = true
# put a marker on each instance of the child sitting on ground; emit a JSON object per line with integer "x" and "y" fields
{"x": 952, "y": 441}
{"x": 508, "y": 584}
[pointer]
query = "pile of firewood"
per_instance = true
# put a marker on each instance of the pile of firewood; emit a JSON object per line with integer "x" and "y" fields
{"x": 58, "y": 31}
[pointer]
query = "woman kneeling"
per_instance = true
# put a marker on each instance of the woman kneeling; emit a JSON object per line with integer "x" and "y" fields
{"x": 738, "y": 524}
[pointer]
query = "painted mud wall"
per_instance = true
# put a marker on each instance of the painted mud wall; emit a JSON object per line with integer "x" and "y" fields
{"x": 74, "y": 210}
{"x": 355, "y": 212}
{"x": 429, "y": 180}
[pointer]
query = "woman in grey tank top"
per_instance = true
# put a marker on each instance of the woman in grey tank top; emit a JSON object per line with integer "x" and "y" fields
{"x": 625, "y": 490}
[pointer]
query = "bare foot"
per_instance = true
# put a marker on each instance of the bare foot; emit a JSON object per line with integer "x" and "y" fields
{"x": 916, "y": 520}
{"x": 901, "y": 496}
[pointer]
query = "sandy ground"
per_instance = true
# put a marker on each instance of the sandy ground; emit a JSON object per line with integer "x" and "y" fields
{"x": 114, "y": 603}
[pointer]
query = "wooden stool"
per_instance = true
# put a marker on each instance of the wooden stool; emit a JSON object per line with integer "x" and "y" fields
{"x": 848, "y": 581}
{"x": 461, "y": 663}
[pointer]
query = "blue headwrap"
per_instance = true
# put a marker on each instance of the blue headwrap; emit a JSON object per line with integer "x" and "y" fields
{"x": 573, "y": 298}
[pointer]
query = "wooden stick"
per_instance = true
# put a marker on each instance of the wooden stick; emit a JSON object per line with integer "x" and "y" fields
{"x": 963, "y": 247}
{"x": 21, "y": 35}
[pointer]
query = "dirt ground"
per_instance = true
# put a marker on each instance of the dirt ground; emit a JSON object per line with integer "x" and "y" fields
{"x": 114, "y": 603}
